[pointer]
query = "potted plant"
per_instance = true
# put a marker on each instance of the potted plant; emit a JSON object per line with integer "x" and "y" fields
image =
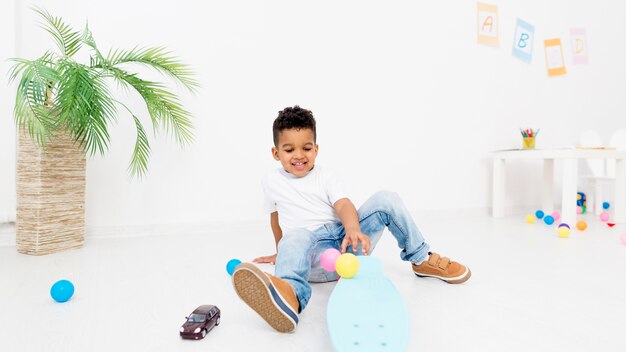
{"x": 63, "y": 111}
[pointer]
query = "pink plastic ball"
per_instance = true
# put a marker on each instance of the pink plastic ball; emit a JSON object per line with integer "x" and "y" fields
{"x": 556, "y": 215}
{"x": 604, "y": 216}
{"x": 579, "y": 210}
{"x": 623, "y": 239}
{"x": 329, "y": 258}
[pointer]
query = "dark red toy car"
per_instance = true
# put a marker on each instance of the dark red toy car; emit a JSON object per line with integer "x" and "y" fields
{"x": 200, "y": 322}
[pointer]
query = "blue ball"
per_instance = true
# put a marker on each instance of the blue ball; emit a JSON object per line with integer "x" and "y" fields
{"x": 549, "y": 220}
{"x": 606, "y": 205}
{"x": 539, "y": 214}
{"x": 62, "y": 291}
{"x": 231, "y": 265}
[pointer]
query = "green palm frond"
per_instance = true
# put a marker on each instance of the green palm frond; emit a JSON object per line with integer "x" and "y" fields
{"x": 57, "y": 93}
{"x": 87, "y": 106}
{"x": 68, "y": 41}
{"x": 32, "y": 118}
{"x": 87, "y": 38}
{"x": 32, "y": 103}
{"x": 174, "y": 117}
{"x": 139, "y": 163}
{"x": 159, "y": 59}
{"x": 42, "y": 66}
{"x": 163, "y": 106}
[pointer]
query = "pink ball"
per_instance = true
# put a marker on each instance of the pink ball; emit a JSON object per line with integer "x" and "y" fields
{"x": 604, "y": 216}
{"x": 579, "y": 210}
{"x": 328, "y": 259}
{"x": 623, "y": 239}
{"x": 556, "y": 215}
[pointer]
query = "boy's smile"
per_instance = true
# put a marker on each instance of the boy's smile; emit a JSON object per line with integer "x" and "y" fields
{"x": 296, "y": 151}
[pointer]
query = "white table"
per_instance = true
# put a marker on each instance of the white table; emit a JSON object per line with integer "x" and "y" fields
{"x": 569, "y": 158}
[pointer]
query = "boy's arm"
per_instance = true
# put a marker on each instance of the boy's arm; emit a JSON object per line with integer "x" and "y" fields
{"x": 276, "y": 230}
{"x": 350, "y": 220}
{"x": 278, "y": 234}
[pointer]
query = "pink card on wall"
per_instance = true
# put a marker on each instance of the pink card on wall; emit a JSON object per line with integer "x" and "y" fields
{"x": 578, "y": 40}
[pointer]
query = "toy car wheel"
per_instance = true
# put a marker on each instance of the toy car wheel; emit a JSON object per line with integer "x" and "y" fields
{"x": 217, "y": 322}
{"x": 203, "y": 333}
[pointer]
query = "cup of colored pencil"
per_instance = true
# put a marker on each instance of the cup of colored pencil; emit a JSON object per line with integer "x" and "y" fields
{"x": 528, "y": 136}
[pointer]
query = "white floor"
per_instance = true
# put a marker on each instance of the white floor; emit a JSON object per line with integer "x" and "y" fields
{"x": 530, "y": 291}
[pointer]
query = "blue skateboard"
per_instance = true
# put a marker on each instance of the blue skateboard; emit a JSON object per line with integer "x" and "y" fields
{"x": 367, "y": 313}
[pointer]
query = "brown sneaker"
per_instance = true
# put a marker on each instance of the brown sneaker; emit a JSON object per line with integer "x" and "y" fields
{"x": 272, "y": 298}
{"x": 442, "y": 268}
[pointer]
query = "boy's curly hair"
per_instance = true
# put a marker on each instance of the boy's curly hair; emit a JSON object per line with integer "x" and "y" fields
{"x": 293, "y": 117}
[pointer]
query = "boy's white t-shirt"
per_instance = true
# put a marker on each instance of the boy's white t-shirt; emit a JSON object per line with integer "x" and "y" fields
{"x": 302, "y": 202}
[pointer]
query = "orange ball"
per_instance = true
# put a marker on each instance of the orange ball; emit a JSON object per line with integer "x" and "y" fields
{"x": 581, "y": 225}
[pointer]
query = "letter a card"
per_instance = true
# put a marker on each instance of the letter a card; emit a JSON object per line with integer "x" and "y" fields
{"x": 523, "y": 41}
{"x": 488, "y": 24}
{"x": 580, "y": 54}
{"x": 554, "y": 57}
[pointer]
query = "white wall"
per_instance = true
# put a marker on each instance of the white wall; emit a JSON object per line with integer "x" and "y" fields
{"x": 404, "y": 97}
{"x": 7, "y": 96}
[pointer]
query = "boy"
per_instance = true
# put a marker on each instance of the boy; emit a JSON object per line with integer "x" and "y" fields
{"x": 309, "y": 213}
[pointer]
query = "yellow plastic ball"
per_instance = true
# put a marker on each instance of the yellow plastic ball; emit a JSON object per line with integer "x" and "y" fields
{"x": 581, "y": 225}
{"x": 530, "y": 218}
{"x": 347, "y": 265}
{"x": 563, "y": 232}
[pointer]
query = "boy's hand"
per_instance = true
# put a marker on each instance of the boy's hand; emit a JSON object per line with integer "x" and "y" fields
{"x": 353, "y": 238}
{"x": 267, "y": 259}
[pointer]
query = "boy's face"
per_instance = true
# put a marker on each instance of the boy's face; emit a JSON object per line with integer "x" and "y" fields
{"x": 296, "y": 151}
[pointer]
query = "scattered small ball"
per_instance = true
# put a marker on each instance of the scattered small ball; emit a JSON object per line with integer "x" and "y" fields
{"x": 605, "y": 205}
{"x": 62, "y": 291}
{"x": 563, "y": 232}
{"x": 579, "y": 209}
{"x": 347, "y": 265}
{"x": 584, "y": 208}
{"x": 604, "y": 216}
{"x": 548, "y": 219}
{"x": 231, "y": 265}
{"x": 623, "y": 239}
{"x": 539, "y": 214}
{"x": 329, "y": 258}
{"x": 564, "y": 225}
{"x": 530, "y": 218}
{"x": 610, "y": 224}
{"x": 556, "y": 215}
{"x": 581, "y": 225}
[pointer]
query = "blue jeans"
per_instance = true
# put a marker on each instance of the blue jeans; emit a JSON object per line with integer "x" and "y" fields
{"x": 299, "y": 250}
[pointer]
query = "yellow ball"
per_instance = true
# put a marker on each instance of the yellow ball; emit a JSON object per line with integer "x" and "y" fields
{"x": 563, "y": 232}
{"x": 347, "y": 265}
{"x": 530, "y": 218}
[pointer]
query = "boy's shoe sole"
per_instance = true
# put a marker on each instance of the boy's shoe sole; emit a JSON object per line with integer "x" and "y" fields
{"x": 255, "y": 288}
{"x": 451, "y": 280}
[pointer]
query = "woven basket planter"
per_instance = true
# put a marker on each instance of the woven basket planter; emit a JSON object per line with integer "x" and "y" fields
{"x": 50, "y": 195}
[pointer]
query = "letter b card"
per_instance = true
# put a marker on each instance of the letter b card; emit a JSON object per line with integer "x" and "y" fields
{"x": 523, "y": 41}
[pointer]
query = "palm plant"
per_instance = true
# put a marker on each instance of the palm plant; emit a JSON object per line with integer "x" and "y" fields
{"x": 57, "y": 94}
